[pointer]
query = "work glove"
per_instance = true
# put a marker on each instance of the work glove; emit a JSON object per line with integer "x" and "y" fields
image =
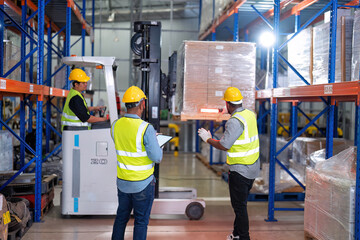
{"x": 204, "y": 134}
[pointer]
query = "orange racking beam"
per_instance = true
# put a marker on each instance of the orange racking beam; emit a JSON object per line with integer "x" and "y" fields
{"x": 79, "y": 16}
{"x": 342, "y": 91}
{"x": 268, "y": 14}
{"x": 9, "y": 87}
{"x": 230, "y": 11}
{"x": 296, "y": 9}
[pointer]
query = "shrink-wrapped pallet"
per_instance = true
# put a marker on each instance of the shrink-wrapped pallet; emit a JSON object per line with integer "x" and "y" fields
{"x": 356, "y": 48}
{"x": 300, "y": 57}
{"x": 321, "y": 38}
{"x": 330, "y": 197}
{"x": 6, "y": 151}
{"x": 206, "y": 69}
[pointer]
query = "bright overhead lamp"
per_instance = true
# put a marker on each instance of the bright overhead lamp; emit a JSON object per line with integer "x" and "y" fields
{"x": 111, "y": 17}
{"x": 267, "y": 39}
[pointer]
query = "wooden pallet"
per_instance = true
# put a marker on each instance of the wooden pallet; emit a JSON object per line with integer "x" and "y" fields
{"x": 207, "y": 164}
{"x": 20, "y": 232}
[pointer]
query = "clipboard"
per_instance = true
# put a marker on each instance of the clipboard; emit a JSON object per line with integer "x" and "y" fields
{"x": 163, "y": 139}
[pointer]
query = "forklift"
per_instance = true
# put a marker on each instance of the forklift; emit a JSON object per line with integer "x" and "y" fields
{"x": 89, "y": 157}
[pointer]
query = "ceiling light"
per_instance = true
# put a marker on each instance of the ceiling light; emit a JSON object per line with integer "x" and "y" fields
{"x": 267, "y": 39}
{"x": 111, "y": 17}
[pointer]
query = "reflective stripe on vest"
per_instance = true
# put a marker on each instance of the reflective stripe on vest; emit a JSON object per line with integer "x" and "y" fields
{"x": 68, "y": 117}
{"x": 133, "y": 163}
{"x": 246, "y": 148}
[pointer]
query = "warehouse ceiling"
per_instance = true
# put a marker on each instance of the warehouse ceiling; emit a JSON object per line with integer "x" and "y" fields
{"x": 127, "y": 10}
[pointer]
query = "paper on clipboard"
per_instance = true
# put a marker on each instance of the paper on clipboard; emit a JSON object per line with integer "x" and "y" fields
{"x": 162, "y": 139}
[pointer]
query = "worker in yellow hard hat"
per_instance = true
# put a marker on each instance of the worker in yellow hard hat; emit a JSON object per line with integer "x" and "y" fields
{"x": 76, "y": 113}
{"x": 241, "y": 143}
{"x": 137, "y": 152}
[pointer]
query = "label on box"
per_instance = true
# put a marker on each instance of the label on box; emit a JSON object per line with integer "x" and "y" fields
{"x": 221, "y": 47}
{"x": 218, "y": 70}
{"x": 3, "y": 84}
{"x": 51, "y": 91}
{"x": 31, "y": 88}
{"x": 328, "y": 89}
{"x": 154, "y": 112}
{"x": 63, "y": 92}
{"x": 218, "y": 93}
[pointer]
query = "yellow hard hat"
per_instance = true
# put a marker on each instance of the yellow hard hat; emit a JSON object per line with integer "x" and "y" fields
{"x": 78, "y": 75}
{"x": 133, "y": 94}
{"x": 232, "y": 94}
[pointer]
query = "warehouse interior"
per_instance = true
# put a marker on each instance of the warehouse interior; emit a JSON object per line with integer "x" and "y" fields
{"x": 296, "y": 63}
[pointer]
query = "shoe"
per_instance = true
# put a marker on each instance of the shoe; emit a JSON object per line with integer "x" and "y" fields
{"x": 231, "y": 236}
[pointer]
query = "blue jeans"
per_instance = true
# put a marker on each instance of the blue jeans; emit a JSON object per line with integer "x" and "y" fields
{"x": 141, "y": 202}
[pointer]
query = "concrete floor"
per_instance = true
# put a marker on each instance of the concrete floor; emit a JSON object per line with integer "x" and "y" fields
{"x": 185, "y": 171}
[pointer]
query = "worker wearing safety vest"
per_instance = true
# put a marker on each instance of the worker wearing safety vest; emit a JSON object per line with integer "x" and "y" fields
{"x": 137, "y": 152}
{"x": 241, "y": 143}
{"x": 76, "y": 113}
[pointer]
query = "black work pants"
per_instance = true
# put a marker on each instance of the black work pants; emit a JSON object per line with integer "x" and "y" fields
{"x": 239, "y": 188}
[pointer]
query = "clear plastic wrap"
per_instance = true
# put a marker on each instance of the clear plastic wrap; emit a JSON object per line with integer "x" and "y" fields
{"x": 321, "y": 37}
{"x": 299, "y": 56}
{"x": 6, "y": 151}
{"x": 283, "y": 157}
{"x": 330, "y": 197}
{"x": 356, "y": 48}
{"x": 303, "y": 147}
{"x": 206, "y": 69}
{"x": 207, "y": 11}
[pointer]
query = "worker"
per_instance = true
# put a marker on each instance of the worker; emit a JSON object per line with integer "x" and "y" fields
{"x": 241, "y": 142}
{"x": 137, "y": 152}
{"x": 76, "y": 113}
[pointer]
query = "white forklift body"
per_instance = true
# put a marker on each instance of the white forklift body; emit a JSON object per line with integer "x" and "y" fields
{"x": 89, "y": 164}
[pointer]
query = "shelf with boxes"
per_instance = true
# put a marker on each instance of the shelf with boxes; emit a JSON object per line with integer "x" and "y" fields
{"x": 35, "y": 81}
{"x": 328, "y": 45}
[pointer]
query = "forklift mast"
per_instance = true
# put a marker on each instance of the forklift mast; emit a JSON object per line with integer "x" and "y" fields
{"x": 146, "y": 44}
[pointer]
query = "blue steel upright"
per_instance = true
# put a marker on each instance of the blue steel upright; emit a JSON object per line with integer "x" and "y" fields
{"x": 93, "y": 27}
{"x": 331, "y": 79}
{"x": 39, "y": 110}
{"x": 236, "y": 25}
{"x": 274, "y": 116}
{"x": 67, "y": 44}
{"x": 83, "y": 32}
{"x": 23, "y": 79}
{"x": 48, "y": 83}
{"x": 297, "y": 21}
{"x": 1, "y": 45}
{"x": 357, "y": 198}
{"x": 294, "y": 114}
{"x": 31, "y": 79}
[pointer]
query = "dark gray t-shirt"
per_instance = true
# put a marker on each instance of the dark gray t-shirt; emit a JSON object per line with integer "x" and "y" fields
{"x": 233, "y": 130}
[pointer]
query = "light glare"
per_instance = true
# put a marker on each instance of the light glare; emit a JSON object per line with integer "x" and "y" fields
{"x": 267, "y": 39}
{"x": 209, "y": 110}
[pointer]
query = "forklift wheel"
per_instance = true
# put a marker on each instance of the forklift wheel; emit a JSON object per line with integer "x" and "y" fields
{"x": 194, "y": 211}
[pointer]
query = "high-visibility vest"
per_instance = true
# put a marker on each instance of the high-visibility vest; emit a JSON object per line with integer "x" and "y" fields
{"x": 245, "y": 150}
{"x": 68, "y": 117}
{"x": 133, "y": 164}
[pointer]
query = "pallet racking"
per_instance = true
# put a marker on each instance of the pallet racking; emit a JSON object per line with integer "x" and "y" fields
{"x": 62, "y": 11}
{"x": 330, "y": 93}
